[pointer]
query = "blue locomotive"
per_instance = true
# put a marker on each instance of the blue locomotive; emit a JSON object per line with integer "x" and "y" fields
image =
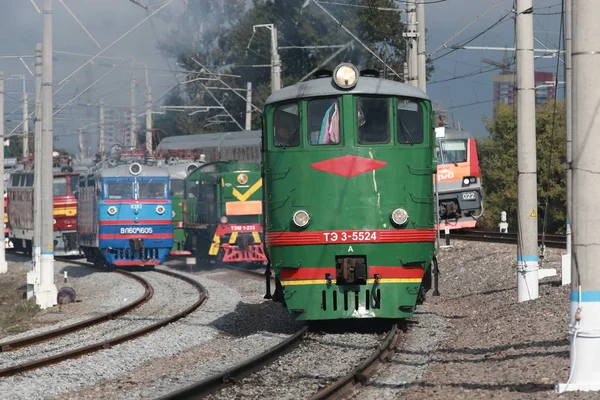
{"x": 125, "y": 215}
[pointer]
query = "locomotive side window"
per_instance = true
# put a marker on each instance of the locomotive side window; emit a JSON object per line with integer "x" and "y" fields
{"x": 59, "y": 186}
{"x": 286, "y": 129}
{"x": 373, "y": 120}
{"x": 323, "y": 121}
{"x": 454, "y": 151}
{"x": 74, "y": 184}
{"x": 177, "y": 186}
{"x": 118, "y": 190}
{"x": 409, "y": 118}
{"x": 152, "y": 190}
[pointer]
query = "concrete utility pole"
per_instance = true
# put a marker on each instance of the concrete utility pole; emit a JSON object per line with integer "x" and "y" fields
{"x": 148, "y": 118}
{"x": 527, "y": 249}
{"x": 421, "y": 47}
{"x": 249, "y": 106}
{"x": 584, "y": 327}
{"x": 275, "y": 62}
{"x": 3, "y": 264}
{"x": 46, "y": 297}
{"x": 101, "y": 141}
{"x": 25, "y": 122}
{"x": 132, "y": 138}
{"x": 411, "y": 42}
{"x": 33, "y": 276}
{"x": 81, "y": 147}
{"x": 566, "y": 258}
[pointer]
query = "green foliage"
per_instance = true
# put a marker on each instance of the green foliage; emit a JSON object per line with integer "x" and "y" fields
{"x": 498, "y": 161}
{"x": 219, "y": 36}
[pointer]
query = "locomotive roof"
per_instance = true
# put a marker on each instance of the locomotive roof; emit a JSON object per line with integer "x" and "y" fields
{"x": 365, "y": 85}
{"x": 211, "y": 140}
{"x": 122, "y": 171}
{"x": 180, "y": 171}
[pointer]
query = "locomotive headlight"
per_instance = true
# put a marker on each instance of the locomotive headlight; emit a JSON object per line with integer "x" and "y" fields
{"x": 466, "y": 181}
{"x": 301, "y": 218}
{"x": 160, "y": 210}
{"x": 399, "y": 216}
{"x": 112, "y": 210}
{"x": 345, "y": 76}
{"x": 224, "y": 219}
{"x": 54, "y": 221}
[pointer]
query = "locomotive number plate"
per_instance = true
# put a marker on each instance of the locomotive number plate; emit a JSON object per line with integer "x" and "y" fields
{"x": 243, "y": 228}
{"x": 349, "y": 236}
{"x": 469, "y": 196}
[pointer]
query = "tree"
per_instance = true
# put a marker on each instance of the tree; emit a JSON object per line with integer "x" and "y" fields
{"x": 498, "y": 161}
{"x": 227, "y": 43}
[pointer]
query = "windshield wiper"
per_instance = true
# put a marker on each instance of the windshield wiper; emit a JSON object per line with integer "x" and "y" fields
{"x": 412, "y": 142}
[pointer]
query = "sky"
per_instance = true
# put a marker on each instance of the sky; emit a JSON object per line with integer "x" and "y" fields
{"x": 467, "y": 100}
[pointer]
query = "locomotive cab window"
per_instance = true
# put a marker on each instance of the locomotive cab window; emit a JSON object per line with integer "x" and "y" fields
{"x": 409, "y": 119}
{"x": 454, "y": 151}
{"x": 286, "y": 129}
{"x": 177, "y": 187}
{"x": 118, "y": 190}
{"x": 152, "y": 190}
{"x": 372, "y": 120}
{"x": 59, "y": 186}
{"x": 323, "y": 121}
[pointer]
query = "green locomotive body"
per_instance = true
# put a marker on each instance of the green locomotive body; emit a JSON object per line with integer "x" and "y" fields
{"x": 349, "y": 203}
{"x": 222, "y": 213}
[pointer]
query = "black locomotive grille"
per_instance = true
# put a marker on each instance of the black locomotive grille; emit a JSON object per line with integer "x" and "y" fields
{"x": 350, "y": 300}
{"x": 136, "y": 254}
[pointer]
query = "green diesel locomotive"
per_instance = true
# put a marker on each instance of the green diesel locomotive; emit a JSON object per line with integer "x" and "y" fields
{"x": 349, "y": 204}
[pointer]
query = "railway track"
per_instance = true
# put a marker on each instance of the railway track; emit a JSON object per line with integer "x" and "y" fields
{"x": 236, "y": 375}
{"x": 15, "y": 344}
{"x": 70, "y": 354}
{"x": 554, "y": 241}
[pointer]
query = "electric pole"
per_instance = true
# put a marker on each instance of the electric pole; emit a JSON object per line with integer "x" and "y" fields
{"x": 148, "y": 119}
{"x": 275, "y": 62}
{"x": 411, "y": 42}
{"x": 81, "y": 148}
{"x": 33, "y": 276}
{"x": 249, "y": 106}
{"x": 3, "y": 264}
{"x": 566, "y": 258}
{"x": 25, "y": 122}
{"x": 132, "y": 138}
{"x": 421, "y": 47}
{"x": 584, "y": 327}
{"x": 101, "y": 141}
{"x": 46, "y": 297}
{"x": 527, "y": 248}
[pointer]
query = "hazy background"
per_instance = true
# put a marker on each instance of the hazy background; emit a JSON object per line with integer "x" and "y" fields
{"x": 467, "y": 99}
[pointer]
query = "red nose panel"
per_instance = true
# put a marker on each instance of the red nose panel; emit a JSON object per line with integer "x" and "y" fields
{"x": 348, "y": 166}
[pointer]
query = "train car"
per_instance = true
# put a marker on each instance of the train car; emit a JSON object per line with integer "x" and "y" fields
{"x": 460, "y": 196}
{"x": 223, "y": 212}
{"x": 21, "y": 215}
{"x": 125, "y": 215}
{"x": 349, "y": 203}
{"x": 178, "y": 170}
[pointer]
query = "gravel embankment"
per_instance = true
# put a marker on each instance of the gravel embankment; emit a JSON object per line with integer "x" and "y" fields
{"x": 495, "y": 347}
{"x": 234, "y": 324}
{"x": 97, "y": 292}
{"x": 318, "y": 361}
{"x": 171, "y": 296}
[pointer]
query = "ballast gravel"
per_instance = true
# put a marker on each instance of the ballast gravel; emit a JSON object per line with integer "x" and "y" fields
{"x": 217, "y": 335}
{"x": 97, "y": 292}
{"x": 318, "y": 361}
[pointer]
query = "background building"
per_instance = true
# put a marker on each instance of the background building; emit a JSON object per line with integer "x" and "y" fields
{"x": 505, "y": 87}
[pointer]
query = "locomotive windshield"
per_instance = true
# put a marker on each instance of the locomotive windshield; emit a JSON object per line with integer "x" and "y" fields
{"x": 152, "y": 190}
{"x": 59, "y": 186}
{"x": 118, "y": 190}
{"x": 373, "y": 120}
{"x": 409, "y": 116}
{"x": 323, "y": 121}
{"x": 287, "y": 126}
{"x": 177, "y": 186}
{"x": 453, "y": 151}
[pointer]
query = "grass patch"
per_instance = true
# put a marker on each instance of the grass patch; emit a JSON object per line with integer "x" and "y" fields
{"x": 15, "y": 311}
